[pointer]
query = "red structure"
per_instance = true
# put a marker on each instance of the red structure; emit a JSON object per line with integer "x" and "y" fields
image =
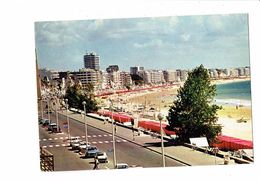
{"x": 155, "y": 127}
{"x": 122, "y": 118}
{"x": 231, "y": 143}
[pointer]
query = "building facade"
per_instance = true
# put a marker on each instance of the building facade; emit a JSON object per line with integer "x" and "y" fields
{"x": 134, "y": 70}
{"x": 91, "y": 61}
{"x": 86, "y": 76}
{"x": 170, "y": 76}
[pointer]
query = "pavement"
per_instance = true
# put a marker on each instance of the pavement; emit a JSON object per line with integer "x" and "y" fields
{"x": 185, "y": 155}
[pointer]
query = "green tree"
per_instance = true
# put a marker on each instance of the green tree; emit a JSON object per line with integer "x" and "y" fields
{"x": 76, "y": 96}
{"x": 192, "y": 113}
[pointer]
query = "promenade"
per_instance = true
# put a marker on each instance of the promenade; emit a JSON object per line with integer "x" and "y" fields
{"x": 183, "y": 154}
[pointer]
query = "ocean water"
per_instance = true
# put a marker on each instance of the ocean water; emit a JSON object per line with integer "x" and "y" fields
{"x": 236, "y": 93}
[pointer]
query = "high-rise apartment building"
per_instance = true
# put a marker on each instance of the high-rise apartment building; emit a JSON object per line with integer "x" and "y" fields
{"x": 134, "y": 70}
{"x": 91, "y": 61}
{"x": 125, "y": 78}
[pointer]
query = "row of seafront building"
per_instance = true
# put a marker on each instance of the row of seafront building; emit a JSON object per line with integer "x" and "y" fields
{"x": 113, "y": 78}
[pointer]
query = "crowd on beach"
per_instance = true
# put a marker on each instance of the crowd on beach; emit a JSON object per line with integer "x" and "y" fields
{"x": 235, "y": 119}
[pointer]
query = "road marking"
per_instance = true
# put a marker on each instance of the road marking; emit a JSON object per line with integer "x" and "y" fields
{"x": 118, "y": 141}
{"x": 61, "y": 138}
{"x": 44, "y": 139}
{"x": 50, "y": 138}
{"x": 106, "y": 141}
{"x": 124, "y": 140}
{"x": 57, "y": 145}
{"x": 100, "y": 142}
{"x": 94, "y": 136}
{"x": 100, "y": 135}
{"x": 50, "y": 145}
{"x": 44, "y": 146}
{"x": 110, "y": 135}
{"x": 55, "y": 138}
{"x": 94, "y": 142}
{"x": 111, "y": 141}
{"x": 89, "y": 136}
{"x": 105, "y": 135}
{"x": 83, "y": 136}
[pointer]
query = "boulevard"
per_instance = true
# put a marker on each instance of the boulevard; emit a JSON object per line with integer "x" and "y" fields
{"x": 126, "y": 151}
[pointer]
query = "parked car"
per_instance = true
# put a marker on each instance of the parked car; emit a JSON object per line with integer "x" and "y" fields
{"x": 82, "y": 148}
{"x": 121, "y": 166}
{"x": 46, "y": 122}
{"x": 41, "y": 120}
{"x": 74, "y": 140}
{"x": 101, "y": 157}
{"x": 91, "y": 151}
{"x": 51, "y": 126}
{"x": 76, "y": 143}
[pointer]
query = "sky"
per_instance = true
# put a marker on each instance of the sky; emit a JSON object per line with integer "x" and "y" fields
{"x": 178, "y": 42}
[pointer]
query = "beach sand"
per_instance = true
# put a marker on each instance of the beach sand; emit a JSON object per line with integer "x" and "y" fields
{"x": 236, "y": 121}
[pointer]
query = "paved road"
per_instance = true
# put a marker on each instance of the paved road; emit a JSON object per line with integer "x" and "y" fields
{"x": 127, "y": 152}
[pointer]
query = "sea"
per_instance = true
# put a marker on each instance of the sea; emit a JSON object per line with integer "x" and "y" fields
{"x": 234, "y": 93}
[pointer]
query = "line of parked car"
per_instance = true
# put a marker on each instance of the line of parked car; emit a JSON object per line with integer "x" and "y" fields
{"x": 87, "y": 150}
{"x": 51, "y": 126}
{"x": 76, "y": 144}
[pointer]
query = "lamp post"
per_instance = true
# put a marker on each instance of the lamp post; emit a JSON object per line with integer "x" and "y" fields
{"x": 40, "y": 99}
{"x": 160, "y": 117}
{"x": 48, "y": 108}
{"x": 67, "y": 107}
{"x": 113, "y": 134}
{"x": 57, "y": 117}
{"x": 86, "y": 126}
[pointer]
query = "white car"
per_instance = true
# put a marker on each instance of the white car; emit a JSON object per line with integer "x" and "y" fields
{"x": 74, "y": 140}
{"x": 101, "y": 157}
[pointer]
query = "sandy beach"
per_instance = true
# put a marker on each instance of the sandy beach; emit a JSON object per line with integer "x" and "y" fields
{"x": 236, "y": 120}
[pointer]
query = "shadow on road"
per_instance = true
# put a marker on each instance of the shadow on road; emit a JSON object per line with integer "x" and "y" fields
{"x": 158, "y": 144}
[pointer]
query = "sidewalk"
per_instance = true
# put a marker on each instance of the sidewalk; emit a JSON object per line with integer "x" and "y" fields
{"x": 184, "y": 155}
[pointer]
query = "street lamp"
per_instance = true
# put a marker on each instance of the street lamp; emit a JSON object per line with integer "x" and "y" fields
{"x": 48, "y": 108}
{"x": 160, "y": 117}
{"x": 40, "y": 99}
{"x": 67, "y": 107}
{"x": 113, "y": 134}
{"x": 57, "y": 119}
{"x": 86, "y": 126}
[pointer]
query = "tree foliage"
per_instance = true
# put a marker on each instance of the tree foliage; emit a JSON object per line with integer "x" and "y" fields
{"x": 192, "y": 113}
{"x": 76, "y": 96}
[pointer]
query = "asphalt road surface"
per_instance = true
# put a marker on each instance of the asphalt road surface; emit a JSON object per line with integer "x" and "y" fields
{"x": 126, "y": 152}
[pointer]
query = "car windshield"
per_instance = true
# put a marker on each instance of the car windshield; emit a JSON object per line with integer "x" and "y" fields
{"x": 92, "y": 148}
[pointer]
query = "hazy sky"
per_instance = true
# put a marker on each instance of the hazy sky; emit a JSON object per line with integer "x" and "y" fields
{"x": 216, "y": 41}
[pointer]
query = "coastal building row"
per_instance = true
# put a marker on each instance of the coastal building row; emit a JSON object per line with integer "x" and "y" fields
{"x": 229, "y": 73}
{"x": 112, "y": 77}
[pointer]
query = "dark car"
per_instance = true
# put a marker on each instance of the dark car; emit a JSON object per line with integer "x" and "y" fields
{"x": 46, "y": 122}
{"x": 91, "y": 151}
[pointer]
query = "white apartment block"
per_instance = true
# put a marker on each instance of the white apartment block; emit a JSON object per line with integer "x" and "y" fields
{"x": 50, "y": 74}
{"x": 234, "y": 73}
{"x": 145, "y": 75}
{"x": 125, "y": 78}
{"x": 170, "y": 76}
{"x": 87, "y": 75}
